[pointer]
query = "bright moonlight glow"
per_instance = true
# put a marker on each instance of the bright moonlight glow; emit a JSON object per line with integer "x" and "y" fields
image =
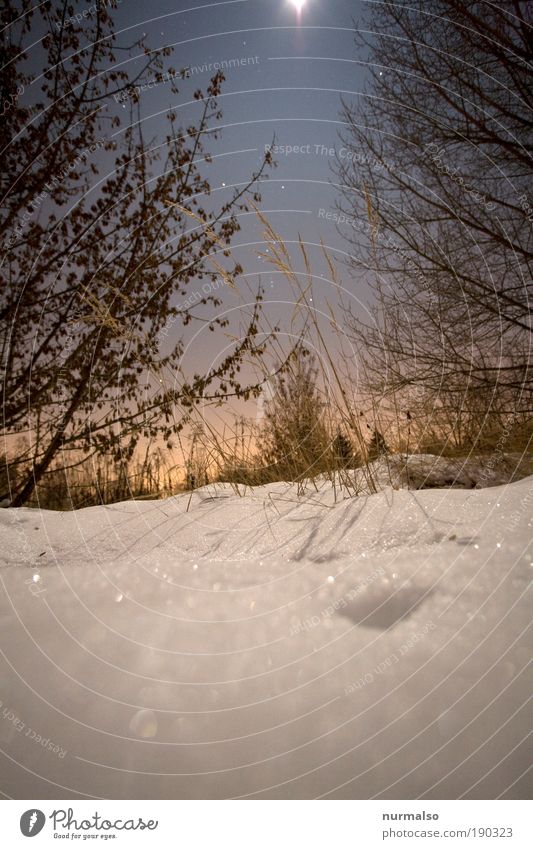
{"x": 298, "y": 5}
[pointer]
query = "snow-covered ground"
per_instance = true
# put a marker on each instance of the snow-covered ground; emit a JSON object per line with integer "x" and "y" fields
{"x": 265, "y": 645}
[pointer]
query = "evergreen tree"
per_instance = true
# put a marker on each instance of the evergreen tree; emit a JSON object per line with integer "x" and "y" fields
{"x": 377, "y": 446}
{"x": 294, "y": 443}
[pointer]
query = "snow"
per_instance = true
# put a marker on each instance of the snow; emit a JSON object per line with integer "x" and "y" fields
{"x": 260, "y": 644}
{"x": 429, "y": 471}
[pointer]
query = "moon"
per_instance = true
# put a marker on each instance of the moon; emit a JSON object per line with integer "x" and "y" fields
{"x": 298, "y": 5}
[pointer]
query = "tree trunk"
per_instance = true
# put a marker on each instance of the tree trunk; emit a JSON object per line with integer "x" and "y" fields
{"x": 40, "y": 468}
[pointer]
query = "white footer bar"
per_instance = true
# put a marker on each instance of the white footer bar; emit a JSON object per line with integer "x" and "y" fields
{"x": 266, "y": 824}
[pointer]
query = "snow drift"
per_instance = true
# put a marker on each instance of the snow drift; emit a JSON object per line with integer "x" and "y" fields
{"x": 263, "y": 645}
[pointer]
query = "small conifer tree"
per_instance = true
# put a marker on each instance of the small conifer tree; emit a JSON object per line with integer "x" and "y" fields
{"x": 344, "y": 456}
{"x": 294, "y": 442}
{"x": 377, "y": 446}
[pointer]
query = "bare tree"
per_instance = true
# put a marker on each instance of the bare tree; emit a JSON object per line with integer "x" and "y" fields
{"x": 435, "y": 166}
{"x": 102, "y": 235}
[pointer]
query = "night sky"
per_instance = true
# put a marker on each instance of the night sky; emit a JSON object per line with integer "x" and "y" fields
{"x": 289, "y": 85}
